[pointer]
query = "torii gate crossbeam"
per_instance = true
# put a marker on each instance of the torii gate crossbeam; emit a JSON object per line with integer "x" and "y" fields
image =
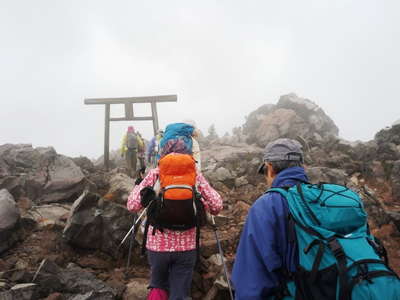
{"x": 129, "y": 114}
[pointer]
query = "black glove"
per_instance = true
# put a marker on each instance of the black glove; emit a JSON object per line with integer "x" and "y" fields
{"x": 147, "y": 194}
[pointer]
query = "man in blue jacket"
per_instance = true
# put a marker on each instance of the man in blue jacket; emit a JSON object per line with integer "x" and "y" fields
{"x": 266, "y": 250}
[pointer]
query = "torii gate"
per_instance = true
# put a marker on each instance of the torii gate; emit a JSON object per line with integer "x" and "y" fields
{"x": 129, "y": 115}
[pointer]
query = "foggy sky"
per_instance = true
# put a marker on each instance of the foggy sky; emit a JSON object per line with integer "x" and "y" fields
{"x": 223, "y": 59}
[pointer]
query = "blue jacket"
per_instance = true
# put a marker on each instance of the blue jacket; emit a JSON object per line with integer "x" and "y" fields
{"x": 263, "y": 246}
{"x": 151, "y": 146}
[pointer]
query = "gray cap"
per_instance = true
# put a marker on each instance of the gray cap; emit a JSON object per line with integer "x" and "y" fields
{"x": 281, "y": 150}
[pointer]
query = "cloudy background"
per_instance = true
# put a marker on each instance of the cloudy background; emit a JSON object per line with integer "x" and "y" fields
{"x": 222, "y": 58}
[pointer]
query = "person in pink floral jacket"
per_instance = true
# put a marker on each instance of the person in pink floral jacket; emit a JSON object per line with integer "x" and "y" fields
{"x": 172, "y": 254}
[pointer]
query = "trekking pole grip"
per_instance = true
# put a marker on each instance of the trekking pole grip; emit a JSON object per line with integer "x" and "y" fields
{"x": 213, "y": 224}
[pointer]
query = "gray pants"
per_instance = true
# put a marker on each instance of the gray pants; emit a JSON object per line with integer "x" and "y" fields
{"x": 172, "y": 271}
{"x": 131, "y": 162}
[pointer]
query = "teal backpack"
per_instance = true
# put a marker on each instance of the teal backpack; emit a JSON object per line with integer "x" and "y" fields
{"x": 338, "y": 257}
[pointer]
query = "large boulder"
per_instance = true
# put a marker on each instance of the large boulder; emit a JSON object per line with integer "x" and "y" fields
{"x": 48, "y": 214}
{"x": 280, "y": 123}
{"x": 292, "y": 117}
{"x": 254, "y": 119}
{"x": 39, "y": 174}
{"x": 96, "y": 223}
{"x": 9, "y": 217}
{"x": 121, "y": 185}
{"x": 85, "y": 164}
{"x": 316, "y": 119}
{"x": 389, "y": 135}
{"x": 73, "y": 282}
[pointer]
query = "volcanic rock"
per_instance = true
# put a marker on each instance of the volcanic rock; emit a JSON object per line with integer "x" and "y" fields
{"x": 136, "y": 290}
{"x": 96, "y": 223}
{"x": 292, "y": 117}
{"x": 9, "y": 217}
{"x": 39, "y": 174}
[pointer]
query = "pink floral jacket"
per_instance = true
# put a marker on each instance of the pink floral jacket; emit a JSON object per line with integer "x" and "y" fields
{"x": 170, "y": 240}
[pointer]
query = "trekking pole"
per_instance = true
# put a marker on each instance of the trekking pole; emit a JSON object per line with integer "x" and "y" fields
{"x": 133, "y": 227}
{"x": 131, "y": 242}
{"x": 221, "y": 254}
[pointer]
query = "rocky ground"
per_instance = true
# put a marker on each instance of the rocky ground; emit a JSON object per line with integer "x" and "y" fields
{"x": 61, "y": 218}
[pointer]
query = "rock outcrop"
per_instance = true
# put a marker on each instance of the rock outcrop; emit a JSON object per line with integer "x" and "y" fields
{"x": 40, "y": 174}
{"x": 9, "y": 217}
{"x": 292, "y": 117}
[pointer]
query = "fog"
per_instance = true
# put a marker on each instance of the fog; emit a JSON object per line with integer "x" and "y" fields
{"x": 223, "y": 59}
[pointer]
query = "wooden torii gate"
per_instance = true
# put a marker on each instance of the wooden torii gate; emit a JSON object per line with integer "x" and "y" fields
{"x": 129, "y": 114}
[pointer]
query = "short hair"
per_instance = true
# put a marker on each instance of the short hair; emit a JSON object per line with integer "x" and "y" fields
{"x": 281, "y": 165}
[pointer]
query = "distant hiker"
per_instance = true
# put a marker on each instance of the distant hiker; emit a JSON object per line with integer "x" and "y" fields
{"x": 196, "y": 146}
{"x": 153, "y": 149}
{"x": 175, "y": 195}
{"x": 305, "y": 241}
{"x": 141, "y": 151}
{"x": 129, "y": 149}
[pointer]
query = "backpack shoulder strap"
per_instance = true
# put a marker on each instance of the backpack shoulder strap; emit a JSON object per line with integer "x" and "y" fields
{"x": 281, "y": 190}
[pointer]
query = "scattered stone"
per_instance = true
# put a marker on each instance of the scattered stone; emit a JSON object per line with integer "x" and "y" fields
{"x": 136, "y": 290}
{"x": 215, "y": 259}
{"x": 241, "y": 181}
{"x": 24, "y": 291}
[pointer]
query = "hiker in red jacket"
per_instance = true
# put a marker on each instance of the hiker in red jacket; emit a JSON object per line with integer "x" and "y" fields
{"x": 172, "y": 253}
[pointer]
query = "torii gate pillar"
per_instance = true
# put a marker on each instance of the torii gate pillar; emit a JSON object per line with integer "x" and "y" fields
{"x": 129, "y": 115}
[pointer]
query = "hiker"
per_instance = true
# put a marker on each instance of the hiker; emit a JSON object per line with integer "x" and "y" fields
{"x": 304, "y": 241}
{"x": 196, "y": 146}
{"x": 153, "y": 149}
{"x": 129, "y": 149}
{"x": 172, "y": 253}
{"x": 141, "y": 151}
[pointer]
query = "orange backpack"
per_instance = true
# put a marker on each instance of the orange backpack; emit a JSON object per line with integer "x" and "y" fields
{"x": 178, "y": 206}
{"x": 177, "y": 176}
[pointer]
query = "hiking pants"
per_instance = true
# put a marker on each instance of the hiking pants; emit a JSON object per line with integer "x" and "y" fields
{"x": 131, "y": 162}
{"x": 172, "y": 271}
